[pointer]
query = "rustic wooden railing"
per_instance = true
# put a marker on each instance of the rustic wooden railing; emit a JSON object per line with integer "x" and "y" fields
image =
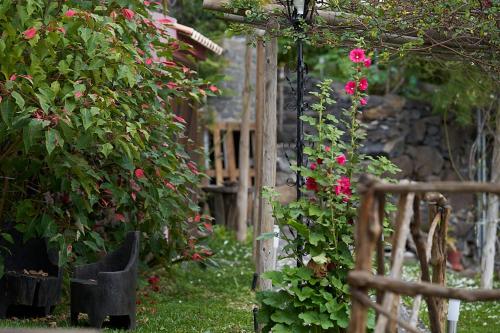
{"x": 431, "y": 252}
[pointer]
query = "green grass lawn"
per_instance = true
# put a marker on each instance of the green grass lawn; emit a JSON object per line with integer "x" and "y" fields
{"x": 476, "y": 317}
{"x": 190, "y": 298}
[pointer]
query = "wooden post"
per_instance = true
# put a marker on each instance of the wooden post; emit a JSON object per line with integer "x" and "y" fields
{"x": 380, "y": 243}
{"x": 260, "y": 91}
{"x": 269, "y": 141}
{"x": 488, "y": 257}
{"x": 404, "y": 215}
{"x": 364, "y": 245}
{"x": 242, "y": 201}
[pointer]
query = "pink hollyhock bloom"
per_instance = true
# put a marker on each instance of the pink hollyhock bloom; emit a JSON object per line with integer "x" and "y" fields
{"x": 192, "y": 166}
{"x": 311, "y": 184}
{"x": 133, "y": 196}
{"x": 13, "y": 77}
{"x": 128, "y": 14}
{"x": 313, "y": 166}
{"x": 78, "y": 94}
{"x": 357, "y": 55}
{"x": 139, "y": 173}
{"x": 149, "y": 61}
{"x": 70, "y": 13}
{"x": 197, "y": 218}
{"x": 208, "y": 226}
{"x": 171, "y": 85}
{"x": 170, "y": 64}
{"x": 341, "y": 159}
{"x": 119, "y": 217}
{"x": 61, "y": 29}
{"x": 30, "y": 33}
{"x": 213, "y": 89}
{"x": 179, "y": 119}
{"x": 328, "y": 149}
{"x": 147, "y": 3}
{"x": 350, "y": 87}
{"x": 363, "y": 101}
{"x": 165, "y": 21}
{"x": 363, "y": 84}
{"x": 196, "y": 257}
{"x": 343, "y": 187}
{"x": 169, "y": 185}
{"x": 367, "y": 62}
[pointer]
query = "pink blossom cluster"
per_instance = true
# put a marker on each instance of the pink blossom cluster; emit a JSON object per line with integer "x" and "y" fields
{"x": 359, "y": 57}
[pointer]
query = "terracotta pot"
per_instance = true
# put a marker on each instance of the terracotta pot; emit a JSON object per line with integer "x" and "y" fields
{"x": 454, "y": 257}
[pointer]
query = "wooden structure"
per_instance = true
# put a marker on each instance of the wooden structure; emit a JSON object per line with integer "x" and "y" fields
{"x": 431, "y": 251}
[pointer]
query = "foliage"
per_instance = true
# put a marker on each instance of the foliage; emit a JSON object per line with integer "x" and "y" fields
{"x": 314, "y": 296}
{"x": 88, "y": 139}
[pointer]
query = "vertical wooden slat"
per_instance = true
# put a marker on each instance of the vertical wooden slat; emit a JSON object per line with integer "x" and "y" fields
{"x": 404, "y": 215}
{"x": 259, "y": 113}
{"x": 230, "y": 154}
{"x": 268, "y": 167}
{"x": 244, "y": 151}
{"x": 219, "y": 179}
{"x": 380, "y": 243}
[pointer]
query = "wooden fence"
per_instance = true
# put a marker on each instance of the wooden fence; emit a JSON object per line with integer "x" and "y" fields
{"x": 431, "y": 251}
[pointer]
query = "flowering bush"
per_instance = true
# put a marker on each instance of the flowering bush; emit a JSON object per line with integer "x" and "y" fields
{"x": 88, "y": 139}
{"x": 314, "y": 296}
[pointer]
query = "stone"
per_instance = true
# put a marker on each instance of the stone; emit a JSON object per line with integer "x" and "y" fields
{"x": 405, "y": 163}
{"x": 395, "y": 147}
{"x": 428, "y": 161}
{"x": 391, "y": 105}
{"x": 417, "y": 133}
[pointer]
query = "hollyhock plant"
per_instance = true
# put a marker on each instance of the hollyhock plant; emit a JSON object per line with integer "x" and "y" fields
{"x": 128, "y": 14}
{"x": 363, "y": 101}
{"x": 323, "y": 219}
{"x": 70, "y": 13}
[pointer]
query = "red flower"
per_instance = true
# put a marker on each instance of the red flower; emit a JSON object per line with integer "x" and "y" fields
{"x": 343, "y": 187}
{"x": 139, "y": 173}
{"x": 149, "y": 61}
{"x": 328, "y": 149}
{"x": 363, "y": 84}
{"x": 169, "y": 185}
{"x": 341, "y": 159}
{"x": 30, "y": 33}
{"x": 213, "y": 89}
{"x": 311, "y": 184}
{"x": 208, "y": 226}
{"x": 171, "y": 85}
{"x": 192, "y": 166}
{"x": 313, "y": 166}
{"x": 319, "y": 160}
{"x": 179, "y": 119}
{"x": 196, "y": 257}
{"x": 363, "y": 101}
{"x": 357, "y": 55}
{"x": 70, "y": 13}
{"x": 128, "y": 14}
{"x": 119, "y": 217}
{"x": 154, "y": 279}
{"x": 367, "y": 62}
{"x": 197, "y": 218}
{"x": 350, "y": 87}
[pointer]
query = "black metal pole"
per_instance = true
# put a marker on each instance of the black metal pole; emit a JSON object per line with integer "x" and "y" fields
{"x": 300, "y": 112}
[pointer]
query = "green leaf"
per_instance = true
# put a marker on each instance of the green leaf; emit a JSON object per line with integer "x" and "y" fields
{"x": 8, "y": 237}
{"x": 86, "y": 118}
{"x": 283, "y": 317}
{"x": 52, "y": 139}
{"x": 315, "y": 238}
{"x": 106, "y": 149}
{"x": 19, "y": 99}
{"x": 7, "y": 112}
{"x": 320, "y": 259}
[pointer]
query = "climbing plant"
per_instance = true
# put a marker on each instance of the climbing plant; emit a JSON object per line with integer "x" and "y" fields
{"x": 88, "y": 138}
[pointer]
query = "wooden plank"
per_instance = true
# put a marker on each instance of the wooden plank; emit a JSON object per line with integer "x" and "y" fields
{"x": 440, "y": 186}
{"x": 229, "y": 155}
{"x": 244, "y": 151}
{"x": 268, "y": 171}
{"x": 402, "y": 229}
{"x": 363, "y": 279}
{"x": 260, "y": 91}
{"x": 439, "y": 263}
{"x": 217, "y": 156}
{"x": 380, "y": 243}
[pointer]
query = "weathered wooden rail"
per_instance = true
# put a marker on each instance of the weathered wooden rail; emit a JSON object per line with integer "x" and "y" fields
{"x": 431, "y": 252}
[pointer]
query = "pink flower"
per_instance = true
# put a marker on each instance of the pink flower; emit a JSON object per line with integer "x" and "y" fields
{"x": 30, "y": 33}
{"x": 119, "y": 217}
{"x": 171, "y": 85}
{"x": 128, "y": 14}
{"x": 213, "y": 89}
{"x": 133, "y": 195}
{"x": 363, "y": 84}
{"x": 208, "y": 226}
{"x": 139, "y": 173}
{"x": 367, "y": 62}
{"x": 357, "y": 55}
{"x": 197, "y": 218}
{"x": 147, "y": 3}
{"x": 328, "y": 149}
{"x": 350, "y": 87}
{"x": 13, "y": 77}
{"x": 169, "y": 185}
{"x": 363, "y": 101}
{"x": 78, "y": 94}
{"x": 311, "y": 184}
{"x": 341, "y": 159}
{"x": 313, "y": 166}
{"x": 149, "y": 61}
{"x": 196, "y": 257}
{"x": 165, "y": 21}
{"x": 70, "y": 13}
{"x": 179, "y": 119}
{"x": 170, "y": 64}
{"x": 343, "y": 188}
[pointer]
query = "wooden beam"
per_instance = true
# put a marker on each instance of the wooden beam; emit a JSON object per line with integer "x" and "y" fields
{"x": 362, "y": 279}
{"x": 268, "y": 171}
{"x": 440, "y": 186}
{"x": 244, "y": 160}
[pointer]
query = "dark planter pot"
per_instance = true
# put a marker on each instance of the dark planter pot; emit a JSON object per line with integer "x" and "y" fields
{"x": 108, "y": 287}
{"x": 31, "y": 285}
